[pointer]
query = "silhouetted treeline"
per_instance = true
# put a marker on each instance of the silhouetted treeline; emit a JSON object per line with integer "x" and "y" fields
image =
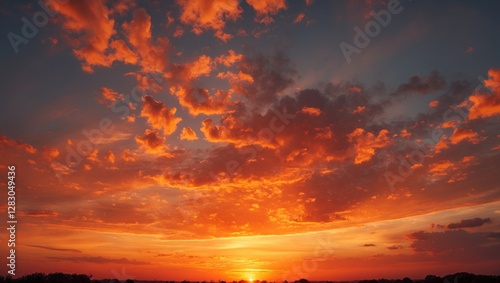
{"x": 59, "y": 278}
{"x": 462, "y": 277}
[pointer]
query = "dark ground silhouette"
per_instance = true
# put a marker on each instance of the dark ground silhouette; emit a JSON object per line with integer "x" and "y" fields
{"x": 461, "y": 277}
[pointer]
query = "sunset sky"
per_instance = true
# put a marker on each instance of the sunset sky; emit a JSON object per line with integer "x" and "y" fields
{"x": 264, "y": 139}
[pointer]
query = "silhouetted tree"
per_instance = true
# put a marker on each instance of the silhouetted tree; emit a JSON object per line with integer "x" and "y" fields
{"x": 302, "y": 280}
{"x": 58, "y": 278}
{"x": 466, "y": 277}
{"x": 80, "y": 278}
{"x": 433, "y": 279}
{"x": 34, "y": 278}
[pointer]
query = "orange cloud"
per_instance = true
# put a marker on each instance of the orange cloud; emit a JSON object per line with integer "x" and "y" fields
{"x": 441, "y": 144}
{"x": 434, "y": 104}
{"x": 366, "y": 143}
{"x": 122, "y": 6}
{"x": 209, "y": 14}
{"x": 110, "y": 157}
{"x": 299, "y": 18}
{"x": 202, "y": 66}
{"x": 311, "y": 111}
{"x": 232, "y": 77}
{"x": 229, "y": 60}
{"x": 493, "y": 82}
{"x": 177, "y": 180}
{"x": 109, "y": 96}
{"x": 405, "y": 134}
{"x": 487, "y": 105}
{"x": 179, "y": 31}
{"x": 94, "y": 45}
{"x": 121, "y": 52}
{"x": 323, "y": 133}
{"x": 92, "y": 24}
{"x": 296, "y": 153}
{"x": 129, "y": 156}
{"x": 232, "y": 131}
{"x": 188, "y": 134}
{"x": 449, "y": 124}
{"x": 51, "y": 152}
{"x": 61, "y": 169}
{"x": 266, "y": 8}
{"x": 146, "y": 82}
{"x": 468, "y": 158}
{"x": 456, "y": 169}
{"x": 464, "y": 134}
{"x": 94, "y": 156}
{"x": 138, "y": 32}
{"x": 151, "y": 142}
{"x": 159, "y": 116}
{"x": 354, "y": 88}
{"x": 441, "y": 168}
{"x": 199, "y": 101}
{"x": 358, "y": 110}
{"x": 6, "y": 142}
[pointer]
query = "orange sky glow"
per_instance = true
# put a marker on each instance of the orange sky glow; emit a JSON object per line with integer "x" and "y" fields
{"x": 229, "y": 140}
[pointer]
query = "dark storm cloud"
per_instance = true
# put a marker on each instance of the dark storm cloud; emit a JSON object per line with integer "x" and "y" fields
{"x": 422, "y": 85}
{"x": 469, "y": 223}
{"x": 454, "y": 243}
